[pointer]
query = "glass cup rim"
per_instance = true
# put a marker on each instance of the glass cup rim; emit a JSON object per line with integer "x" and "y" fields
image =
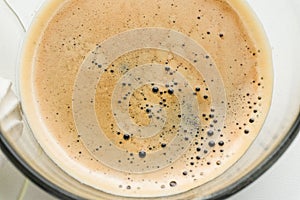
{"x": 235, "y": 187}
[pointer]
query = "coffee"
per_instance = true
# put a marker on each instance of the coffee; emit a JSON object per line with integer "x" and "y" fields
{"x": 146, "y": 98}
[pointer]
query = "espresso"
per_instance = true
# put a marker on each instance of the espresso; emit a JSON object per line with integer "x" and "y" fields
{"x": 146, "y": 98}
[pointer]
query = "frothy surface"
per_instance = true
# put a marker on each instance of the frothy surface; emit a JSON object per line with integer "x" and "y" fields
{"x": 151, "y": 99}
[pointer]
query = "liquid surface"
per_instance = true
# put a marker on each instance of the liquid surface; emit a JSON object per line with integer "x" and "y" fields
{"x": 151, "y": 99}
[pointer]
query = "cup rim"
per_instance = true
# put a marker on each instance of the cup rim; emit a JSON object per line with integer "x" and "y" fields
{"x": 230, "y": 190}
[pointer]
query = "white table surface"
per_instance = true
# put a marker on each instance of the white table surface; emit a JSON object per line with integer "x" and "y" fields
{"x": 281, "y": 181}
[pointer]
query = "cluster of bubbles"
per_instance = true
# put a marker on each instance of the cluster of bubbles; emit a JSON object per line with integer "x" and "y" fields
{"x": 174, "y": 116}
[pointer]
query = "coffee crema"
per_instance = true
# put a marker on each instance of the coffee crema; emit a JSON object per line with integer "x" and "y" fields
{"x": 146, "y": 98}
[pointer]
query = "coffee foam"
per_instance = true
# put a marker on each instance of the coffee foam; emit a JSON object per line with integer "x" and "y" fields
{"x": 151, "y": 100}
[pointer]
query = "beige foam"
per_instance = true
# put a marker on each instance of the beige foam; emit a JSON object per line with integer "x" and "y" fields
{"x": 226, "y": 30}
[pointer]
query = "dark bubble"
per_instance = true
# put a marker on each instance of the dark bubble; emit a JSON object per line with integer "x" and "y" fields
{"x": 167, "y": 68}
{"x": 246, "y": 131}
{"x": 184, "y": 173}
{"x": 197, "y": 89}
{"x": 163, "y": 145}
{"x": 173, "y": 183}
{"x": 170, "y": 91}
{"x": 221, "y": 143}
{"x": 210, "y": 132}
{"x": 211, "y": 143}
{"x": 142, "y": 154}
{"x": 126, "y": 136}
{"x": 251, "y": 120}
{"x": 155, "y": 89}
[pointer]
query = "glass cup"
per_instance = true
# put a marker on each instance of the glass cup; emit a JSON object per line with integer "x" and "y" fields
{"x": 280, "y": 20}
